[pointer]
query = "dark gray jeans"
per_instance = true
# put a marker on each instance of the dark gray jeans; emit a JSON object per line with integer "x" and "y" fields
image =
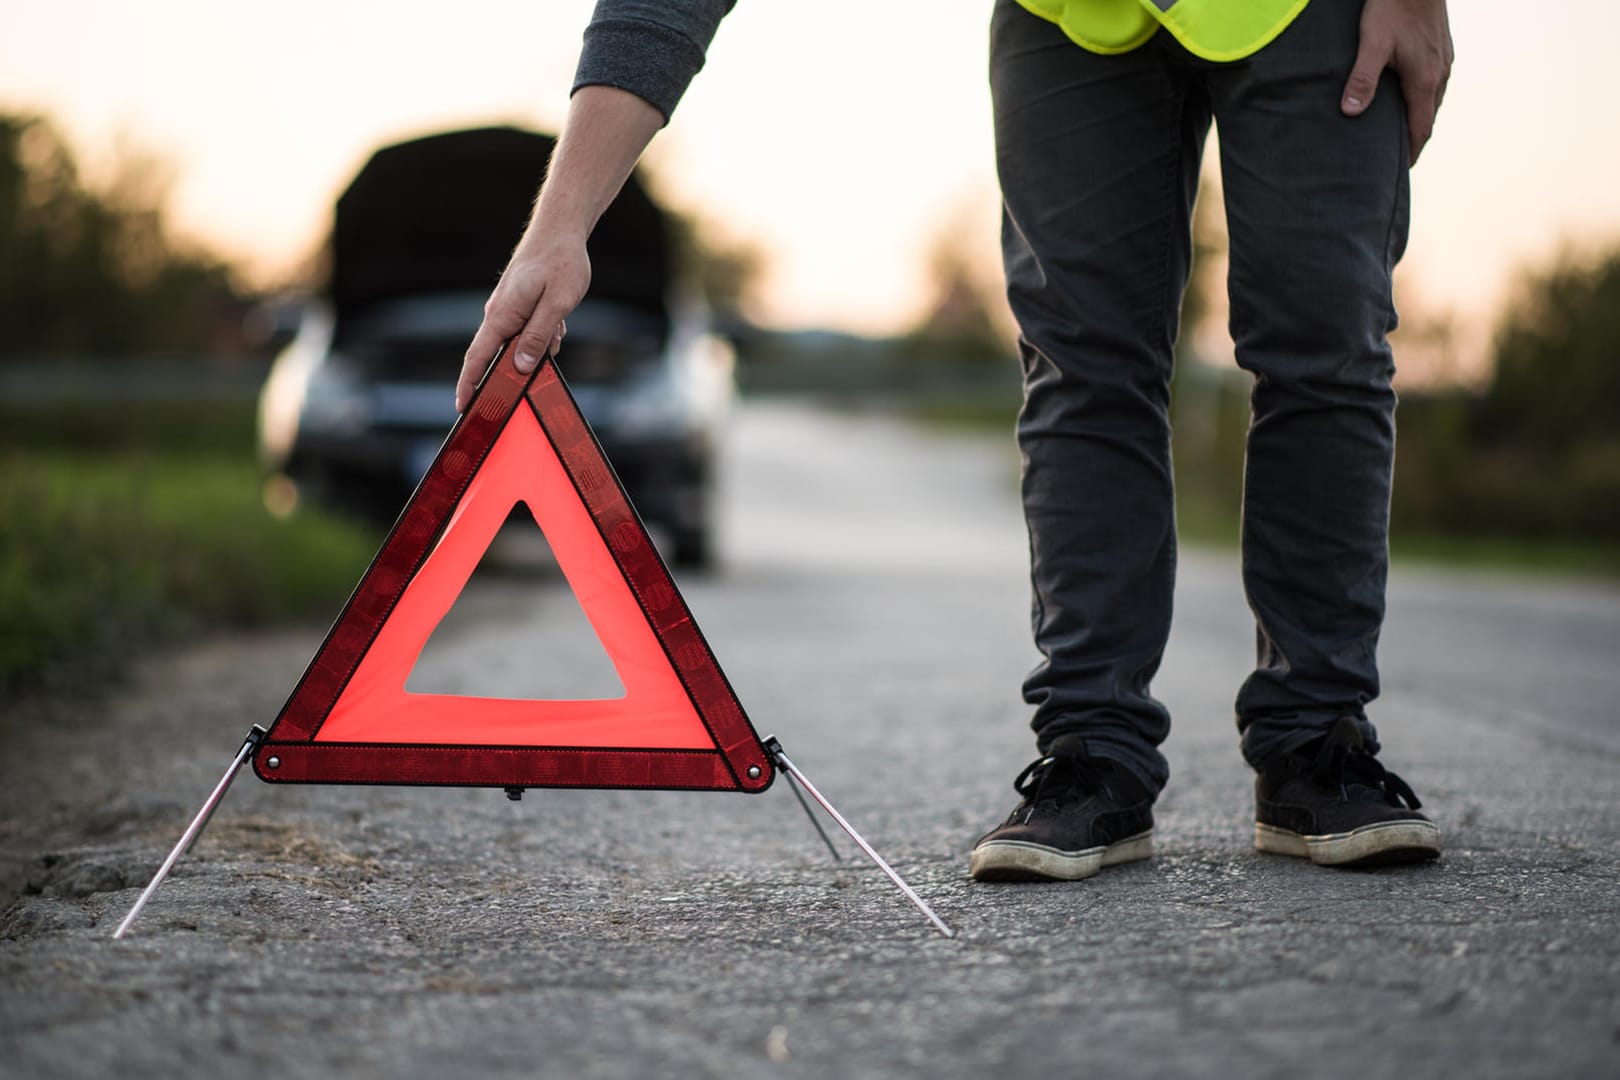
{"x": 1099, "y": 160}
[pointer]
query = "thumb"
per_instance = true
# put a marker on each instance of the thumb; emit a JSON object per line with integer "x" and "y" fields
{"x": 1371, "y": 59}
{"x": 537, "y": 339}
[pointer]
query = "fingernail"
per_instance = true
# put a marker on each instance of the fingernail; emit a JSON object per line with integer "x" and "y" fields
{"x": 525, "y": 362}
{"x": 1353, "y": 102}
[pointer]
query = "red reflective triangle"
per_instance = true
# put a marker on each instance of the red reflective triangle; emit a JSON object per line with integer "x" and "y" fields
{"x": 678, "y": 725}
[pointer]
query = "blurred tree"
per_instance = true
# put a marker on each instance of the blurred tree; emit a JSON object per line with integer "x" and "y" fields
{"x": 966, "y": 318}
{"x": 727, "y": 270}
{"x": 96, "y": 271}
{"x": 1204, "y": 298}
{"x": 1557, "y": 357}
{"x": 1429, "y": 342}
{"x": 1537, "y": 453}
{"x": 1209, "y": 404}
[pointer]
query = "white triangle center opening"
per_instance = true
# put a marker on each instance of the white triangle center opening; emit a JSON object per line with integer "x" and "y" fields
{"x": 516, "y": 632}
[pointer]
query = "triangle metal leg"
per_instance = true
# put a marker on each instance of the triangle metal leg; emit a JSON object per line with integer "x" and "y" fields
{"x": 249, "y": 744}
{"x": 792, "y": 772}
{"x": 793, "y": 786}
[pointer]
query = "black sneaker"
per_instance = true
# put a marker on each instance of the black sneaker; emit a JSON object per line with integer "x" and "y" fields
{"x": 1337, "y": 806}
{"x": 1079, "y": 814}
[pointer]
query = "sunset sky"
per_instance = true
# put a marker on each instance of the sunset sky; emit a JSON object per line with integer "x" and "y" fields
{"x": 842, "y": 136}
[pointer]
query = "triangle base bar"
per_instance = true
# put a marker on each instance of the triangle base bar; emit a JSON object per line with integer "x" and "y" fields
{"x": 493, "y": 766}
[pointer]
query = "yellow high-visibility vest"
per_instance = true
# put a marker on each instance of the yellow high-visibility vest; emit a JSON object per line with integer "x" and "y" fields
{"x": 1217, "y": 30}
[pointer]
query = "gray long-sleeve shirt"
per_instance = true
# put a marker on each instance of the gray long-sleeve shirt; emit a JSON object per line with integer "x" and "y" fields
{"x": 652, "y": 48}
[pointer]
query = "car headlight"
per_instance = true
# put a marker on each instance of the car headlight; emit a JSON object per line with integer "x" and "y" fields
{"x": 651, "y": 409}
{"x": 336, "y": 402}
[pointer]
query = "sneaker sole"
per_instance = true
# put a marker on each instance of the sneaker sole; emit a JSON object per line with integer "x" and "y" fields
{"x": 1371, "y": 845}
{"x": 1015, "y": 860}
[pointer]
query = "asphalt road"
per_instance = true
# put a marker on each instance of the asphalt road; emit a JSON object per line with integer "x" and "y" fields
{"x": 872, "y": 614}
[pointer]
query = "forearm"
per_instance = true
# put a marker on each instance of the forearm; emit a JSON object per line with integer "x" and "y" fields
{"x": 639, "y": 56}
{"x": 604, "y": 136}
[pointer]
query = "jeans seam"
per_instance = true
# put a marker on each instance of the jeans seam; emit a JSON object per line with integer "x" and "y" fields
{"x": 1174, "y": 173}
{"x": 1401, "y": 166}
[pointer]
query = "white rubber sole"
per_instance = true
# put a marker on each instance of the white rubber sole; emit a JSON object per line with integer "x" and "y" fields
{"x": 1017, "y": 860}
{"x": 1385, "y": 842}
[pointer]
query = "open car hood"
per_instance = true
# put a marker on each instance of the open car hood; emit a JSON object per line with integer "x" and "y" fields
{"x": 441, "y": 214}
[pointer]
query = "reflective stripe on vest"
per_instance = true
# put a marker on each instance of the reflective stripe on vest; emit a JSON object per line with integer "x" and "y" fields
{"x": 1217, "y": 30}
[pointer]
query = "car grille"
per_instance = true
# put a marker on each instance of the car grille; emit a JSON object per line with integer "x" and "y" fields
{"x": 584, "y": 363}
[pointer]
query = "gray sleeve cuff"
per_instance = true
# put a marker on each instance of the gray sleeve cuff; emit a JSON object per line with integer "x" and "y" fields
{"x": 649, "y": 58}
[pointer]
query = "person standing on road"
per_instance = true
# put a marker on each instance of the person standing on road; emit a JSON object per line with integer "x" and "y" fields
{"x": 1101, "y": 110}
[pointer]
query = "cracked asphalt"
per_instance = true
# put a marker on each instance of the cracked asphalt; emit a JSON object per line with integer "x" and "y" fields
{"x": 872, "y": 613}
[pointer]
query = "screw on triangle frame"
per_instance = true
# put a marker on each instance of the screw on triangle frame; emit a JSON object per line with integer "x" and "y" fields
{"x": 249, "y": 744}
{"x": 791, "y": 771}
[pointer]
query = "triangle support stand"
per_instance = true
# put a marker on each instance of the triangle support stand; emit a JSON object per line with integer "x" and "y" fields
{"x": 796, "y": 780}
{"x": 249, "y": 744}
{"x": 804, "y": 804}
{"x": 791, "y": 771}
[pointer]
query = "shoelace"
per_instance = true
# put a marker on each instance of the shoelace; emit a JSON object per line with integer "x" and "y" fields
{"x": 1077, "y": 777}
{"x": 1340, "y": 764}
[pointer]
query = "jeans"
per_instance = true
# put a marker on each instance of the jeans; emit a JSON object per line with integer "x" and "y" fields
{"x": 1099, "y": 160}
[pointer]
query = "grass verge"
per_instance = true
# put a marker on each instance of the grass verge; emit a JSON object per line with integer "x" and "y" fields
{"x": 102, "y": 555}
{"x": 1207, "y": 514}
{"x": 1204, "y": 521}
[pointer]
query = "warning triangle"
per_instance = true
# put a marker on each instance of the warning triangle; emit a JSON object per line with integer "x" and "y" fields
{"x": 351, "y": 718}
